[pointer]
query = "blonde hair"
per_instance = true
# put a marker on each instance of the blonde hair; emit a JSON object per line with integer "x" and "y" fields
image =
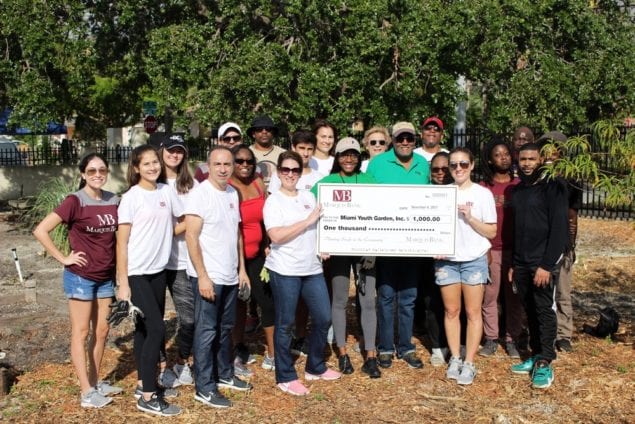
{"x": 373, "y": 130}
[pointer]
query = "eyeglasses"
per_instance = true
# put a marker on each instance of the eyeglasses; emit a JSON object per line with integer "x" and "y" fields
{"x": 349, "y": 155}
{"x": 436, "y": 169}
{"x": 240, "y": 161}
{"x": 464, "y": 165}
{"x": 408, "y": 138}
{"x": 284, "y": 170}
{"x": 91, "y": 172}
{"x": 260, "y": 129}
{"x": 232, "y": 138}
{"x": 375, "y": 142}
{"x": 432, "y": 128}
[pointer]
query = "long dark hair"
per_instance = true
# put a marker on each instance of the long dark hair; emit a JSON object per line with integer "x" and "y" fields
{"x": 83, "y": 163}
{"x": 135, "y": 159}
{"x": 486, "y": 160}
{"x": 447, "y": 179}
{"x": 337, "y": 168}
{"x": 184, "y": 180}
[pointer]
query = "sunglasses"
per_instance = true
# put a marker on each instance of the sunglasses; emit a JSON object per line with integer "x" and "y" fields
{"x": 408, "y": 138}
{"x": 463, "y": 164}
{"x": 91, "y": 172}
{"x": 432, "y": 128}
{"x": 245, "y": 161}
{"x": 286, "y": 170}
{"x": 232, "y": 138}
{"x": 436, "y": 169}
{"x": 260, "y": 129}
{"x": 375, "y": 142}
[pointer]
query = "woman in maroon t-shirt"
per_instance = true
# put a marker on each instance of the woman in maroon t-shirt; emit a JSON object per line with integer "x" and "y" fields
{"x": 91, "y": 217}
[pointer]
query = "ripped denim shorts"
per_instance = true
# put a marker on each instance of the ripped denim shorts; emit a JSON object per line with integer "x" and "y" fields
{"x": 471, "y": 273}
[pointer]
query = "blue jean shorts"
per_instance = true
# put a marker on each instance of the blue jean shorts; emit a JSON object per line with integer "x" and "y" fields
{"x": 80, "y": 288}
{"x": 471, "y": 273}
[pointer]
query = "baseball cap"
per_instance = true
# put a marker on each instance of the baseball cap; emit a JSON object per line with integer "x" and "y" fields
{"x": 433, "y": 120}
{"x": 347, "y": 143}
{"x": 524, "y": 132}
{"x": 174, "y": 140}
{"x": 227, "y": 126}
{"x": 402, "y": 128}
{"x": 552, "y": 135}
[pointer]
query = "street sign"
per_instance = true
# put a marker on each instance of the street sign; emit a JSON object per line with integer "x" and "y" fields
{"x": 150, "y": 124}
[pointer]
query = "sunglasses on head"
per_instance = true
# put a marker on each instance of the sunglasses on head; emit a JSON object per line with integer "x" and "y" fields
{"x": 232, "y": 138}
{"x": 259, "y": 129}
{"x": 375, "y": 142}
{"x": 91, "y": 172}
{"x": 243, "y": 161}
{"x": 464, "y": 165}
{"x": 409, "y": 138}
{"x": 436, "y": 169}
{"x": 284, "y": 170}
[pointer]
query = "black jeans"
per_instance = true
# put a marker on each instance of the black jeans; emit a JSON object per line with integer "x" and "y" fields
{"x": 261, "y": 291}
{"x": 183, "y": 298}
{"x": 148, "y": 294}
{"x": 540, "y": 306}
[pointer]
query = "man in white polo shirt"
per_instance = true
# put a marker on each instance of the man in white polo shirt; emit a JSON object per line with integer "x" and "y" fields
{"x": 216, "y": 270}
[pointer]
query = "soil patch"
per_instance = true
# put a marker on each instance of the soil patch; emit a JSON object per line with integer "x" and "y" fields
{"x": 595, "y": 383}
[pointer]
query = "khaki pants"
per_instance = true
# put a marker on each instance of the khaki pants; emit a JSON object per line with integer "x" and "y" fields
{"x": 564, "y": 309}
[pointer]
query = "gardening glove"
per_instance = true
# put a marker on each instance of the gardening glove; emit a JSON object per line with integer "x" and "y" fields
{"x": 264, "y": 275}
{"x": 121, "y": 310}
{"x": 367, "y": 262}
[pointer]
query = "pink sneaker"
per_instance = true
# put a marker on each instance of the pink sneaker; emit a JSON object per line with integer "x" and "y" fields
{"x": 327, "y": 375}
{"x": 294, "y": 387}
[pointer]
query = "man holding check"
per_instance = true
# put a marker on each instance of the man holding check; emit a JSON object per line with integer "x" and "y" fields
{"x": 398, "y": 277}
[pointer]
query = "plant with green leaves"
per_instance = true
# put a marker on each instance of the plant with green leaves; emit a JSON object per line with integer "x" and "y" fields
{"x": 49, "y": 196}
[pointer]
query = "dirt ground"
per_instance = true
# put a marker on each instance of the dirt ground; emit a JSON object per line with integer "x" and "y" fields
{"x": 595, "y": 383}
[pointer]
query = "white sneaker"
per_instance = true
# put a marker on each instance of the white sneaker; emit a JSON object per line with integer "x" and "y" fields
{"x": 94, "y": 399}
{"x": 468, "y": 372}
{"x": 168, "y": 379}
{"x": 437, "y": 359}
{"x": 184, "y": 374}
{"x": 268, "y": 363}
{"x": 454, "y": 369}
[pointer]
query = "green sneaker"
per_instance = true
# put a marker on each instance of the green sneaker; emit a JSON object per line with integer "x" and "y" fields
{"x": 524, "y": 367}
{"x": 542, "y": 376}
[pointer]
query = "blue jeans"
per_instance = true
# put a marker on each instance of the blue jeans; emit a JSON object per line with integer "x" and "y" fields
{"x": 397, "y": 278}
{"x": 287, "y": 290}
{"x": 213, "y": 324}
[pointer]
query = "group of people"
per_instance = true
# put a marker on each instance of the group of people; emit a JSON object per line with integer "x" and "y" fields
{"x": 244, "y": 227}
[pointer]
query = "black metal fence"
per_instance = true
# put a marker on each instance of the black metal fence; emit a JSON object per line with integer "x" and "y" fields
{"x": 594, "y": 199}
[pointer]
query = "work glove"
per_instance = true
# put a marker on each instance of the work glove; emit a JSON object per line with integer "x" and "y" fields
{"x": 367, "y": 262}
{"x": 264, "y": 275}
{"x": 121, "y": 310}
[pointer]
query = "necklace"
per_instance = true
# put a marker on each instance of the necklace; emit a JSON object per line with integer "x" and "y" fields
{"x": 342, "y": 178}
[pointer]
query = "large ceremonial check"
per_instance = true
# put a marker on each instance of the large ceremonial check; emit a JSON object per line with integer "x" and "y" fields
{"x": 387, "y": 220}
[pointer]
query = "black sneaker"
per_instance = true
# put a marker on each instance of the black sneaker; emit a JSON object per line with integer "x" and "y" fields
{"x": 370, "y": 368}
{"x": 412, "y": 360}
{"x": 345, "y": 365}
{"x": 489, "y": 348}
{"x": 299, "y": 347}
{"x": 385, "y": 360}
{"x": 564, "y": 345}
{"x": 158, "y": 406}
{"x": 234, "y": 384}
{"x": 214, "y": 398}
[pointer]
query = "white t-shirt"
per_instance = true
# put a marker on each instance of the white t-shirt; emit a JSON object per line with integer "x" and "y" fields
{"x": 219, "y": 236}
{"x": 364, "y": 165}
{"x": 471, "y": 245}
{"x": 298, "y": 256}
{"x": 427, "y": 155}
{"x": 324, "y": 166}
{"x": 305, "y": 182}
{"x": 150, "y": 214}
{"x": 178, "y": 254}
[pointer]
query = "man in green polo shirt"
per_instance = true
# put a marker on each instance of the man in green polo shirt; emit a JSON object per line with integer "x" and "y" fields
{"x": 398, "y": 277}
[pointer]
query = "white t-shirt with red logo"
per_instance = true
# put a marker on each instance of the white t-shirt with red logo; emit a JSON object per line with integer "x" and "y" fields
{"x": 298, "y": 256}
{"x": 471, "y": 245}
{"x": 219, "y": 236}
{"x": 150, "y": 214}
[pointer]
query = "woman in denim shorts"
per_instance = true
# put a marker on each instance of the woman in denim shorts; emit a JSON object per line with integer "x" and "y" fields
{"x": 91, "y": 217}
{"x": 466, "y": 273}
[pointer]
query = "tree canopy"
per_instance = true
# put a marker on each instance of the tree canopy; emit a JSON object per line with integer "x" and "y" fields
{"x": 552, "y": 64}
